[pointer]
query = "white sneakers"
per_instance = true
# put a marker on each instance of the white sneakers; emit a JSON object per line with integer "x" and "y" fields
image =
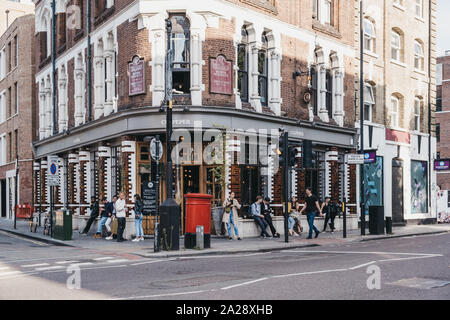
{"x": 109, "y": 238}
{"x": 137, "y": 239}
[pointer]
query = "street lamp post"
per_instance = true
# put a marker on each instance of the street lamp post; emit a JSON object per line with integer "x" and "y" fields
{"x": 169, "y": 96}
{"x": 361, "y": 103}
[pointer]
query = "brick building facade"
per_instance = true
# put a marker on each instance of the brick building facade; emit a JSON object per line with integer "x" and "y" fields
{"x": 233, "y": 68}
{"x": 399, "y": 106}
{"x": 17, "y": 109}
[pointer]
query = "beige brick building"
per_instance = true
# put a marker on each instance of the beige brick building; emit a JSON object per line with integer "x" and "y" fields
{"x": 11, "y": 10}
{"x": 399, "y": 104}
{"x": 17, "y": 109}
{"x": 259, "y": 45}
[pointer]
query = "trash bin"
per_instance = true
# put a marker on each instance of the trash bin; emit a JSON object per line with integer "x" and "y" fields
{"x": 62, "y": 225}
{"x": 217, "y": 214}
{"x": 376, "y": 220}
{"x": 198, "y": 213}
{"x": 389, "y": 225}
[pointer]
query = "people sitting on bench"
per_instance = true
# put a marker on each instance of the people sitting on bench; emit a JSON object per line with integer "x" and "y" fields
{"x": 259, "y": 217}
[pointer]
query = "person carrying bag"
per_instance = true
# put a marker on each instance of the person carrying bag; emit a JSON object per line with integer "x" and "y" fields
{"x": 230, "y": 215}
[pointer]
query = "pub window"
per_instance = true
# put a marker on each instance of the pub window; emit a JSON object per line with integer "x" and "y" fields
{"x": 243, "y": 66}
{"x": 115, "y": 171}
{"x": 94, "y": 175}
{"x": 314, "y": 90}
{"x": 329, "y": 93}
{"x": 181, "y": 75}
{"x": 341, "y": 173}
{"x": 262, "y": 70}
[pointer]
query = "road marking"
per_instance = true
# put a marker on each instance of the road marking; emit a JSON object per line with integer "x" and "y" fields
{"x": 305, "y": 273}
{"x": 9, "y": 273}
{"x": 92, "y": 268}
{"x": 4, "y": 268}
{"x": 411, "y": 258}
{"x": 66, "y": 262}
{"x": 362, "y": 265}
{"x": 103, "y": 258}
{"x": 244, "y": 283}
{"x": 152, "y": 261}
{"x": 34, "y": 265}
{"x": 363, "y": 252}
{"x": 49, "y": 268}
{"x": 83, "y": 264}
{"x": 118, "y": 261}
{"x": 164, "y": 295}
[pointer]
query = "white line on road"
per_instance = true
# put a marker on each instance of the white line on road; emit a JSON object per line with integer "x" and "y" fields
{"x": 152, "y": 261}
{"x": 49, "y": 268}
{"x": 363, "y": 252}
{"x": 9, "y": 273}
{"x": 34, "y": 265}
{"x": 103, "y": 258}
{"x": 66, "y": 262}
{"x": 164, "y": 295}
{"x": 244, "y": 283}
{"x": 305, "y": 273}
{"x": 4, "y": 268}
{"x": 118, "y": 261}
{"x": 362, "y": 265}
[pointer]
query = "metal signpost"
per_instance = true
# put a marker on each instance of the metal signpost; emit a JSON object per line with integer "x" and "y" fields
{"x": 156, "y": 151}
{"x": 52, "y": 181}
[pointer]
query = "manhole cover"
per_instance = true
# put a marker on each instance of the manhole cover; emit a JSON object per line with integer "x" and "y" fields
{"x": 421, "y": 283}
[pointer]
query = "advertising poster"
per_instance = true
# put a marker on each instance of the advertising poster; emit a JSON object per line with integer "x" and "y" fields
{"x": 374, "y": 183}
{"x": 419, "y": 182}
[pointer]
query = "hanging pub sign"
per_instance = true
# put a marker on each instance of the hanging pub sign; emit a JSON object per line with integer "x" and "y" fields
{"x": 370, "y": 156}
{"x": 136, "y": 72}
{"x": 220, "y": 76}
{"x": 442, "y": 164}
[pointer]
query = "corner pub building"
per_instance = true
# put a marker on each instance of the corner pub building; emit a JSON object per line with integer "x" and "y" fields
{"x": 233, "y": 68}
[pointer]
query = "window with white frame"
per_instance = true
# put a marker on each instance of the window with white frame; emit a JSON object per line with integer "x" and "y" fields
{"x": 2, "y": 150}
{"x": 418, "y": 56}
{"x": 369, "y": 102}
{"x": 417, "y": 109}
{"x": 16, "y": 98}
{"x": 328, "y": 11}
{"x": 396, "y": 46}
{"x": 369, "y": 36}
{"x": 180, "y": 42}
{"x": 439, "y": 74}
{"x": 419, "y": 8}
{"x": 2, "y": 107}
{"x": 398, "y": 2}
{"x": 395, "y": 105}
{"x": 263, "y": 72}
{"x": 2, "y": 63}
{"x": 323, "y": 11}
{"x": 243, "y": 66}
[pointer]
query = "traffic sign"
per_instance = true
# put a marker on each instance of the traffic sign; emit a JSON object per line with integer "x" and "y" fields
{"x": 52, "y": 171}
{"x": 355, "y": 158}
{"x": 154, "y": 144}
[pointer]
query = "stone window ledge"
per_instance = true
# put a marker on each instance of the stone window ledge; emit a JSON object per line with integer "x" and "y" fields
{"x": 267, "y": 5}
{"x": 104, "y": 16}
{"x": 326, "y": 28}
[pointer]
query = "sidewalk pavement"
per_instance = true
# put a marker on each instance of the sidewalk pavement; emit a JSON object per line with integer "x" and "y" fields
{"x": 219, "y": 245}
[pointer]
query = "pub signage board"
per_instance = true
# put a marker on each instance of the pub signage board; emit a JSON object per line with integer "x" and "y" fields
{"x": 136, "y": 70}
{"x": 442, "y": 164}
{"x": 149, "y": 198}
{"x": 220, "y": 76}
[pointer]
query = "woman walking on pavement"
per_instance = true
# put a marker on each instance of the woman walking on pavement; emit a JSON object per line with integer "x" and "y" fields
{"x": 138, "y": 216}
{"x": 230, "y": 215}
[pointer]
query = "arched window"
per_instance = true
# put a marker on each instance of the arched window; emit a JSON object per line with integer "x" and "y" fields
{"x": 369, "y": 35}
{"x": 313, "y": 89}
{"x": 262, "y": 70}
{"x": 180, "y": 46}
{"x": 418, "y": 56}
{"x": 329, "y": 93}
{"x": 396, "y": 46}
{"x": 243, "y": 66}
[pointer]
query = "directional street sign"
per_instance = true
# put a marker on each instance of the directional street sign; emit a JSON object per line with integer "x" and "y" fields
{"x": 355, "y": 158}
{"x": 52, "y": 171}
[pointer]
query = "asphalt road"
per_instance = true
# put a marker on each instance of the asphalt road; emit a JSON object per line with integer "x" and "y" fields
{"x": 403, "y": 268}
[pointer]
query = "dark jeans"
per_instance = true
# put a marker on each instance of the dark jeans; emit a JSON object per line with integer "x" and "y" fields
{"x": 268, "y": 219}
{"x": 88, "y": 224}
{"x": 120, "y": 227}
{"x": 262, "y": 224}
{"x": 329, "y": 217}
{"x": 310, "y": 216}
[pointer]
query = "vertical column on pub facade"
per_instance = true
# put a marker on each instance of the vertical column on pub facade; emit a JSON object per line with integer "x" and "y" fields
{"x": 129, "y": 168}
{"x": 60, "y": 189}
{"x": 352, "y": 198}
{"x": 301, "y": 185}
{"x": 85, "y": 183}
{"x": 36, "y": 185}
{"x": 45, "y": 192}
{"x": 73, "y": 182}
{"x": 104, "y": 172}
{"x": 333, "y": 174}
{"x": 235, "y": 171}
{"x": 198, "y": 28}
{"x": 275, "y": 80}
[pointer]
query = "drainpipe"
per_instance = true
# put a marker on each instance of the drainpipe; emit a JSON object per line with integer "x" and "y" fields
{"x": 54, "y": 63}
{"x": 89, "y": 59}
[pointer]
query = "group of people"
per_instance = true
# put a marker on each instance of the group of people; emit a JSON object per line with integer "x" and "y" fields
{"x": 261, "y": 212}
{"x": 115, "y": 210}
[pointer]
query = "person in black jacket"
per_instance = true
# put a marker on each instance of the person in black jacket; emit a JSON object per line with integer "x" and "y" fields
{"x": 266, "y": 210}
{"x": 138, "y": 216}
{"x": 94, "y": 214}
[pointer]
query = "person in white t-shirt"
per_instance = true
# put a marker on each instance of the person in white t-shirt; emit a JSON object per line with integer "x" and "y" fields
{"x": 121, "y": 216}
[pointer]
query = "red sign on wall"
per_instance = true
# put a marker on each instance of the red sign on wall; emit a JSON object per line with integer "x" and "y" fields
{"x": 398, "y": 136}
{"x": 220, "y": 76}
{"x": 137, "y": 76}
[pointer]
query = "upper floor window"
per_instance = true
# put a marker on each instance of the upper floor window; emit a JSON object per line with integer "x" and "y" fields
{"x": 395, "y": 108}
{"x": 369, "y": 102}
{"x": 396, "y": 46}
{"x": 100, "y": 6}
{"x": 243, "y": 66}
{"x": 438, "y": 104}
{"x": 438, "y": 132}
{"x": 418, "y": 56}
{"x": 398, "y": 2}
{"x": 369, "y": 35}
{"x": 2, "y": 63}
{"x": 323, "y": 11}
{"x": 180, "y": 46}
{"x": 16, "y": 51}
{"x": 329, "y": 93}
{"x": 417, "y": 109}
{"x": 419, "y": 8}
{"x": 263, "y": 72}
{"x": 438, "y": 74}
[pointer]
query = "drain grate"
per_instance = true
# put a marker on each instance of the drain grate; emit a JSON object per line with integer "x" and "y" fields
{"x": 421, "y": 283}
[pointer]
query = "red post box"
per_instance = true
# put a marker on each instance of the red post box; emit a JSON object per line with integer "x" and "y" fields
{"x": 198, "y": 213}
